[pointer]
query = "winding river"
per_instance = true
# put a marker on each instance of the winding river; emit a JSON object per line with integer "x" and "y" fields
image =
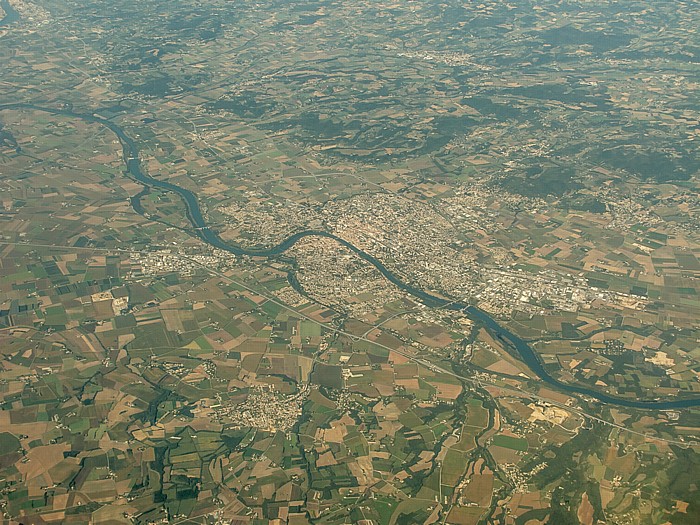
{"x": 206, "y": 234}
{"x": 11, "y": 14}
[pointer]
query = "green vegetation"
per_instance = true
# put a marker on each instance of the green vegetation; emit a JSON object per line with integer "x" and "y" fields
{"x": 537, "y": 160}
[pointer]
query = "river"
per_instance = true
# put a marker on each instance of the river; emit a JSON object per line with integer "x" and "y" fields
{"x": 195, "y": 217}
{"x": 11, "y": 14}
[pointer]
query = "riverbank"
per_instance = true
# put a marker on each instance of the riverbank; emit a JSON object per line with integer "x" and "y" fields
{"x": 11, "y": 14}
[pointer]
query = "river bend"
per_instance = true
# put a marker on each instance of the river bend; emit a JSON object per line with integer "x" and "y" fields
{"x": 206, "y": 234}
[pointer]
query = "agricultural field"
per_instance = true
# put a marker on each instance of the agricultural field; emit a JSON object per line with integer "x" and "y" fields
{"x": 321, "y": 262}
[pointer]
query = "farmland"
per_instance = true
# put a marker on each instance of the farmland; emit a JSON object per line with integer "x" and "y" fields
{"x": 366, "y": 172}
